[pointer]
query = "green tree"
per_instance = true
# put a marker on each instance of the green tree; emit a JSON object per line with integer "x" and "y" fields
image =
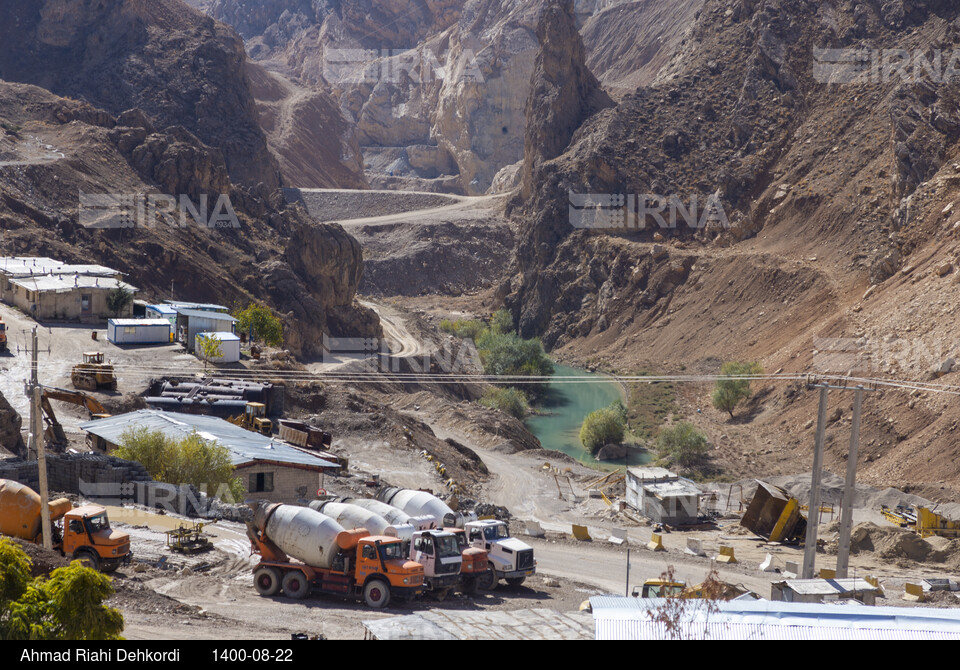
{"x": 728, "y": 393}
{"x": 509, "y": 400}
{"x": 191, "y": 460}
{"x": 67, "y": 606}
{"x": 501, "y": 321}
{"x": 601, "y": 427}
{"x": 210, "y": 348}
{"x": 683, "y": 444}
{"x": 266, "y": 327}
{"x": 118, "y": 300}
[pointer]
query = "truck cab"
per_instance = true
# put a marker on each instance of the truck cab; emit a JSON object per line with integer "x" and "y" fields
{"x": 384, "y": 571}
{"x": 660, "y": 588}
{"x": 88, "y": 537}
{"x": 475, "y": 569}
{"x": 439, "y": 553}
{"x": 510, "y": 558}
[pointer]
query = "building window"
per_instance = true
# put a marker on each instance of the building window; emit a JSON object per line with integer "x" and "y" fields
{"x": 261, "y": 482}
{"x": 129, "y": 330}
{"x": 84, "y": 303}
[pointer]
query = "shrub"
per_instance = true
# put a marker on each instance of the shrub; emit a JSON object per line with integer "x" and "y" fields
{"x": 266, "y": 327}
{"x": 469, "y": 329}
{"x": 67, "y": 606}
{"x": 601, "y": 427}
{"x": 210, "y": 348}
{"x": 683, "y": 444}
{"x": 501, "y": 321}
{"x": 118, "y": 299}
{"x": 728, "y": 393}
{"x": 191, "y": 460}
{"x": 509, "y": 400}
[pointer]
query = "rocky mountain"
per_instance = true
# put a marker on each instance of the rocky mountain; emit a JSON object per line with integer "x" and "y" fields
{"x": 811, "y": 187}
{"x": 175, "y": 64}
{"x": 156, "y": 104}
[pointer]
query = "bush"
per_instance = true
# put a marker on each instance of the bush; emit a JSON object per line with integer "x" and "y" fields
{"x": 603, "y": 426}
{"x": 118, "y": 299}
{"x": 266, "y": 327}
{"x": 728, "y": 393}
{"x": 67, "y": 606}
{"x": 501, "y": 321}
{"x": 470, "y": 329}
{"x": 509, "y": 400}
{"x": 191, "y": 460}
{"x": 683, "y": 444}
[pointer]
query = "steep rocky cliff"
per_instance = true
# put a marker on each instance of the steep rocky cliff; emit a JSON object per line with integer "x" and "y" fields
{"x": 176, "y": 65}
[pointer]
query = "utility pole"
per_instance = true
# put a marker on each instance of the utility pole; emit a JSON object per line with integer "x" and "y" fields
{"x": 846, "y": 509}
{"x": 626, "y": 592}
{"x": 813, "y": 516}
{"x": 36, "y": 442}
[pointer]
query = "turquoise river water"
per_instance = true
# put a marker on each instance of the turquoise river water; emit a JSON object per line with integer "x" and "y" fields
{"x": 565, "y": 407}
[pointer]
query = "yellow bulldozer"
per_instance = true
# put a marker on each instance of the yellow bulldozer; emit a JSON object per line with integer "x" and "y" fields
{"x": 93, "y": 374}
{"x": 254, "y": 418}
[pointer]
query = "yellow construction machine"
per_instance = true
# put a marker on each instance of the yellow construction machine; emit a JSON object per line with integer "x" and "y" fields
{"x": 254, "y": 418}
{"x": 54, "y": 432}
{"x": 93, "y": 373}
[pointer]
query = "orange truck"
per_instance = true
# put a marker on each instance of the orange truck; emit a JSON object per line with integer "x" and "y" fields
{"x": 302, "y": 550}
{"x": 82, "y": 533}
{"x": 3, "y": 335}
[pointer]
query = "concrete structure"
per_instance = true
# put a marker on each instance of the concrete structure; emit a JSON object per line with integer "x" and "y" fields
{"x": 139, "y": 331}
{"x": 662, "y": 496}
{"x": 270, "y": 469}
{"x": 190, "y": 322}
{"x": 229, "y": 346}
{"x": 48, "y": 289}
{"x": 537, "y": 624}
{"x": 823, "y": 590}
{"x": 619, "y": 618}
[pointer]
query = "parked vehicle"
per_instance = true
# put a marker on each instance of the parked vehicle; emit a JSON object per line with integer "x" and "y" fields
{"x": 303, "y": 550}
{"x": 510, "y": 559}
{"x": 81, "y": 533}
{"x": 93, "y": 374}
{"x": 475, "y": 570}
{"x": 439, "y": 553}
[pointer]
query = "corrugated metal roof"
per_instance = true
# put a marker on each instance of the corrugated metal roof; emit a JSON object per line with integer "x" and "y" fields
{"x": 23, "y": 266}
{"x": 245, "y": 446}
{"x": 619, "y": 618}
{"x": 70, "y": 282}
{"x": 163, "y": 309}
{"x": 536, "y": 624}
{"x": 201, "y": 314}
{"x": 179, "y": 304}
{"x": 223, "y": 337}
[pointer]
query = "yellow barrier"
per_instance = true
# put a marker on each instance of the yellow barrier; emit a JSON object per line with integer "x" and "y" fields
{"x": 914, "y": 593}
{"x": 827, "y": 573}
{"x": 726, "y": 555}
{"x": 656, "y": 543}
{"x": 873, "y": 581}
{"x": 581, "y": 533}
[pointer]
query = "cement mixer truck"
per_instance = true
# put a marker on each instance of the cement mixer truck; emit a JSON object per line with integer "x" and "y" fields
{"x": 302, "y": 550}
{"x": 80, "y": 533}
{"x": 420, "y": 504}
{"x": 393, "y": 515}
{"x": 510, "y": 558}
{"x": 354, "y": 516}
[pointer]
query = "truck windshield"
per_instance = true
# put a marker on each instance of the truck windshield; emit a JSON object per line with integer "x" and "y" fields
{"x": 392, "y": 550}
{"x": 447, "y": 547}
{"x": 97, "y": 523}
{"x": 498, "y": 532}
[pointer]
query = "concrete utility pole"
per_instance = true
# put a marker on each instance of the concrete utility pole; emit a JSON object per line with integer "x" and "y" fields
{"x": 813, "y": 516}
{"x": 846, "y": 509}
{"x": 34, "y": 390}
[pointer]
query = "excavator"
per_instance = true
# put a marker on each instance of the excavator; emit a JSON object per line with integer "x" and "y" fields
{"x": 54, "y": 432}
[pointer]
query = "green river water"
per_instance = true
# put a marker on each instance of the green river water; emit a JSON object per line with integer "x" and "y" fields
{"x": 565, "y": 407}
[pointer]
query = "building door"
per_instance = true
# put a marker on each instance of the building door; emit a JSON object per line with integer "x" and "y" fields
{"x": 85, "y": 303}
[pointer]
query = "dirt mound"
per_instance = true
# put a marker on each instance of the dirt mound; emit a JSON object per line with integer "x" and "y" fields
{"x": 43, "y": 562}
{"x": 896, "y": 544}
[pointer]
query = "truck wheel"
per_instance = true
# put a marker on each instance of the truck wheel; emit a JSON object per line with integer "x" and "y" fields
{"x": 88, "y": 558}
{"x": 295, "y": 585}
{"x": 470, "y": 585}
{"x": 488, "y": 580}
{"x": 441, "y": 594}
{"x": 376, "y": 594}
{"x": 516, "y": 581}
{"x": 267, "y": 581}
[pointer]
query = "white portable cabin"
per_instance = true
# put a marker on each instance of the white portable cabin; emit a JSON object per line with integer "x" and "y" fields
{"x": 139, "y": 331}
{"x": 229, "y": 346}
{"x": 192, "y": 322}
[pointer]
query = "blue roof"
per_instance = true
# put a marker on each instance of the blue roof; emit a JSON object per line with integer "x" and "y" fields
{"x": 245, "y": 446}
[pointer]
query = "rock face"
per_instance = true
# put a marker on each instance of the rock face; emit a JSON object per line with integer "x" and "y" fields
{"x": 175, "y": 64}
{"x": 563, "y": 92}
{"x": 10, "y": 423}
